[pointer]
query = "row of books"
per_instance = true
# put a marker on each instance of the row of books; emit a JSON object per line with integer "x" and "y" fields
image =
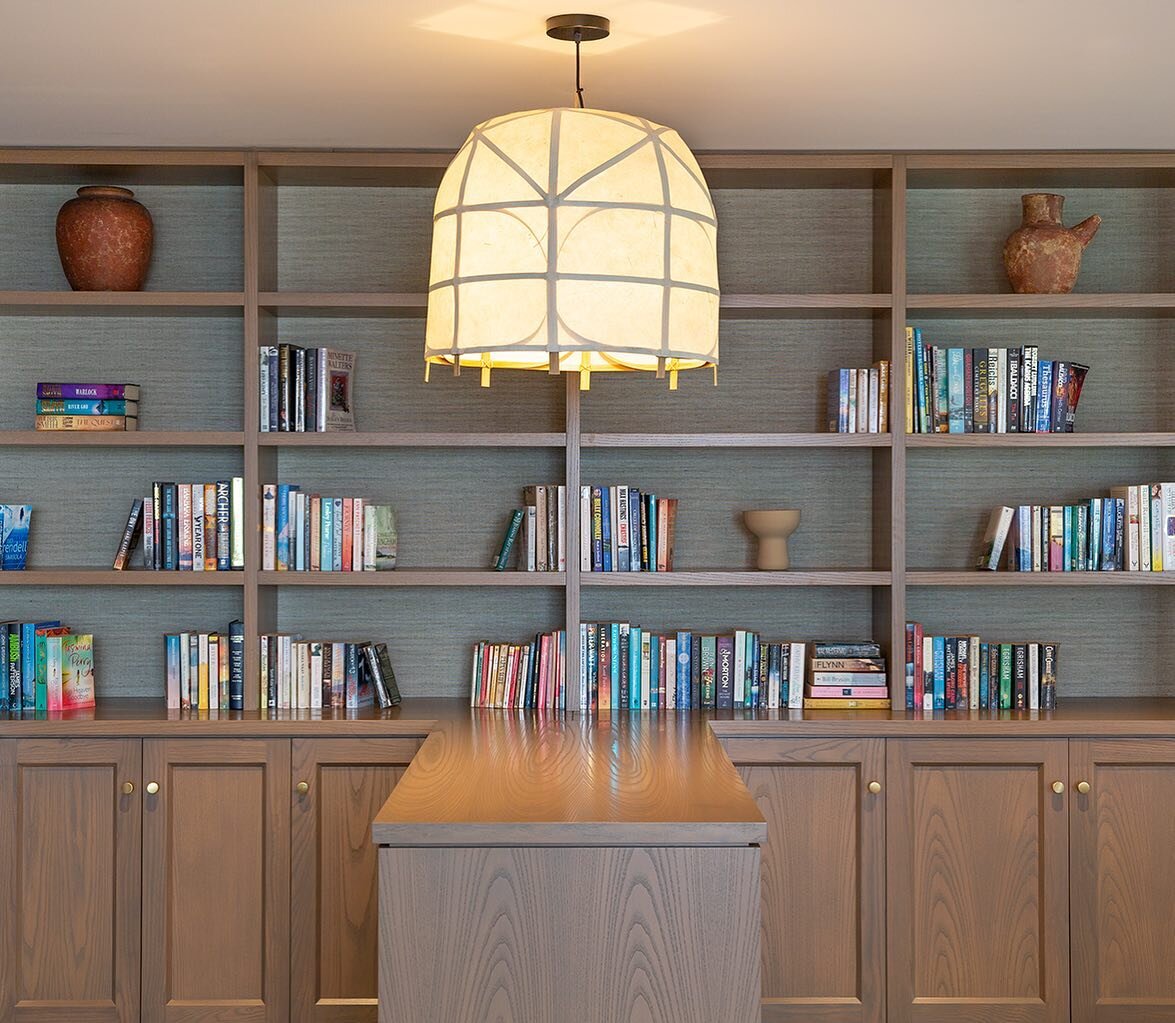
{"x": 305, "y": 390}
{"x": 518, "y": 676}
{"x": 858, "y": 399}
{"x": 206, "y": 671}
{"x": 1132, "y": 530}
{"x": 968, "y": 672}
{"x": 187, "y": 527}
{"x": 45, "y": 667}
{"x": 988, "y": 390}
{"x": 537, "y": 531}
{"x": 15, "y": 522}
{"x": 87, "y": 407}
{"x": 629, "y": 530}
{"x": 298, "y": 674}
{"x": 303, "y": 532}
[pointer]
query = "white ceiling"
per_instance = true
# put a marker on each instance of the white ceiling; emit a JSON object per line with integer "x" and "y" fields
{"x": 766, "y": 74}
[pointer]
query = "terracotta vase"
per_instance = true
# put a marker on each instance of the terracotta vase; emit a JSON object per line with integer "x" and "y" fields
{"x": 104, "y": 239}
{"x": 1042, "y": 256}
{"x": 773, "y": 527}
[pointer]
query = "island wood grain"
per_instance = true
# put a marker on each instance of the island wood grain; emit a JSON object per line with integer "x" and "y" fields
{"x": 595, "y": 935}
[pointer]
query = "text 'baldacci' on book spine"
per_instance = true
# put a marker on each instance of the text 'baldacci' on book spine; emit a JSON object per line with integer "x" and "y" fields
{"x": 988, "y": 390}
{"x": 303, "y": 532}
{"x": 306, "y": 390}
{"x": 45, "y": 667}
{"x": 858, "y": 399}
{"x": 300, "y": 674}
{"x": 518, "y": 676}
{"x": 87, "y": 408}
{"x": 971, "y": 673}
{"x": 1131, "y": 530}
{"x": 187, "y": 527}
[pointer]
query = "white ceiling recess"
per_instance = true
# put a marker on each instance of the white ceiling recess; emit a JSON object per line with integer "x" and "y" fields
{"x": 736, "y": 74}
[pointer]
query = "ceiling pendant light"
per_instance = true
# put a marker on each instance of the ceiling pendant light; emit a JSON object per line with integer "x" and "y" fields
{"x": 573, "y": 240}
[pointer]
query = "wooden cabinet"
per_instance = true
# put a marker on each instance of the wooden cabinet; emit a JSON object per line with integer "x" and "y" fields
{"x": 823, "y": 940}
{"x": 216, "y": 877}
{"x": 70, "y": 860}
{"x": 978, "y": 886}
{"x": 334, "y": 881}
{"x": 1122, "y": 850}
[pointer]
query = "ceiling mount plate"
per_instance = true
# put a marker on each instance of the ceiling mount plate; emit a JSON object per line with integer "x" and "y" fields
{"x": 590, "y": 27}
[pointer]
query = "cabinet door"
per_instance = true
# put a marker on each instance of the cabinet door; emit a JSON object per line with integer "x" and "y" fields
{"x": 335, "y": 878}
{"x": 823, "y": 893}
{"x": 70, "y": 859}
{"x": 978, "y": 900}
{"x": 216, "y": 876}
{"x": 1122, "y": 834}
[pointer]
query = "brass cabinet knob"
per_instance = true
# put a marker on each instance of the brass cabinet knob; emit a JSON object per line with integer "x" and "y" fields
{"x": 302, "y": 787}
{"x": 1083, "y": 787}
{"x": 874, "y": 787}
{"x": 152, "y": 787}
{"x": 128, "y": 788}
{"x": 1058, "y": 787}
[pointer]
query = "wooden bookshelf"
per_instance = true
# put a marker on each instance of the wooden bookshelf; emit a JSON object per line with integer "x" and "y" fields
{"x": 824, "y": 259}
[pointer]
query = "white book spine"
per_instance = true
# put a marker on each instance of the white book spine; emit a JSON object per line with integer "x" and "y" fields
{"x": 527, "y": 561}
{"x": 1167, "y": 525}
{"x": 268, "y": 527}
{"x": 1001, "y": 390}
{"x": 1034, "y": 676}
{"x": 995, "y": 537}
{"x": 585, "y": 529}
{"x": 198, "y": 527}
{"x": 368, "y": 539}
{"x": 671, "y": 674}
{"x": 316, "y": 676}
{"x": 323, "y": 382}
{"x": 795, "y": 680}
{"x": 1144, "y": 527}
{"x": 237, "y": 522}
{"x": 356, "y": 536}
{"x": 561, "y": 526}
{"x": 297, "y": 535}
{"x": 740, "y": 666}
{"x": 263, "y": 389}
{"x": 874, "y": 401}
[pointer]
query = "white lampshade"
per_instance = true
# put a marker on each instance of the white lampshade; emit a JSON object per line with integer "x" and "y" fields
{"x": 573, "y": 240}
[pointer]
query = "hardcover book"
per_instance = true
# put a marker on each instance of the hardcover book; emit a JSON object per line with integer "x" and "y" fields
{"x": 15, "y": 520}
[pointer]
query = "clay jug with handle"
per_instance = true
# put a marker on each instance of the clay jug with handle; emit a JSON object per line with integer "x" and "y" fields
{"x": 1042, "y": 256}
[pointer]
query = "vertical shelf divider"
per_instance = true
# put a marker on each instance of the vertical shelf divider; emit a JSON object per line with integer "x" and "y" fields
{"x": 572, "y": 426}
{"x": 897, "y": 426}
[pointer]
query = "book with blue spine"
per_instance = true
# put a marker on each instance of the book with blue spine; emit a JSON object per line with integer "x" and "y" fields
{"x": 283, "y": 526}
{"x": 223, "y": 523}
{"x": 606, "y": 528}
{"x": 87, "y": 407}
{"x": 171, "y": 643}
{"x": 635, "y": 640}
{"x": 634, "y": 529}
{"x": 1044, "y": 391}
{"x": 1067, "y": 550}
{"x": 28, "y": 661}
{"x": 1109, "y": 558}
{"x": 940, "y": 673}
{"x": 984, "y": 674}
{"x": 326, "y": 542}
{"x": 655, "y": 647}
{"x": 651, "y": 515}
{"x": 1095, "y": 534}
{"x": 597, "y": 530}
{"x": 14, "y": 535}
{"x": 956, "y": 385}
{"x": 684, "y": 648}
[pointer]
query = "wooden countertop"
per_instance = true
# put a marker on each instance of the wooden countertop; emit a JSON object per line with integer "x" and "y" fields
{"x": 499, "y": 778}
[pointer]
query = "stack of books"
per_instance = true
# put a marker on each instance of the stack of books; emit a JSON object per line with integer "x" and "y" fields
{"x": 968, "y": 672}
{"x": 303, "y": 532}
{"x": 521, "y": 676}
{"x": 45, "y": 667}
{"x": 206, "y": 671}
{"x": 87, "y": 407}
{"x": 537, "y": 530}
{"x": 15, "y": 520}
{"x": 298, "y": 674}
{"x": 627, "y": 667}
{"x": 858, "y": 399}
{"x": 306, "y": 390}
{"x": 988, "y": 390}
{"x": 187, "y": 527}
{"x": 1132, "y": 530}
{"x": 847, "y": 675}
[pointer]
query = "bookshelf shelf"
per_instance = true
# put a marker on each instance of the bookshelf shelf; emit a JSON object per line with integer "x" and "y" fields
{"x": 120, "y": 302}
{"x": 409, "y": 439}
{"x": 737, "y": 577}
{"x": 455, "y": 577}
{"x": 120, "y": 439}
{"x": 923, "y": 577}
{"x": 109, "y": 577}
{"x": 736, "y": 440}
{"x": 1040, "y": 440}
{"x": 1121, "y": 303}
